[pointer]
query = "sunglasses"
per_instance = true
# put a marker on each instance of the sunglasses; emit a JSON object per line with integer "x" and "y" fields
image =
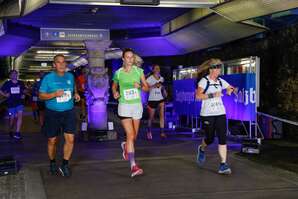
{"x": 215, "y": 66}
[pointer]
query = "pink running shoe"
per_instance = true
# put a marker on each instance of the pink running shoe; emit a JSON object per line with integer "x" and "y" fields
{"x": 135, "y": 171}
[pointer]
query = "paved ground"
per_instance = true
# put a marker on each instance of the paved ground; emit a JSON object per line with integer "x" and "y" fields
{"x": 169, "y": 172}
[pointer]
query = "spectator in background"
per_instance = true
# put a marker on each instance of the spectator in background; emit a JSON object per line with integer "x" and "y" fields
{"x": 33, "y": 102}
{"x": 81, "y": 86}
{"x": 40, "y": 103}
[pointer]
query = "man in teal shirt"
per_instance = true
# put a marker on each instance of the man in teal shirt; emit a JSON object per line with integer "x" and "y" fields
{"x": 58, "y": 90}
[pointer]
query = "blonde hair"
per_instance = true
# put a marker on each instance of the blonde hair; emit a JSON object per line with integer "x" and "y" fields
{"x": 203, "y": 69}
{"x": 138, "y": 61}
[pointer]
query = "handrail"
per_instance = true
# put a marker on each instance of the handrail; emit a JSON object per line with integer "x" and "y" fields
{"x": 280, "y": 119}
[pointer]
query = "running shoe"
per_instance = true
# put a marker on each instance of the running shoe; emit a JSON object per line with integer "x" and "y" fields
{"x": 224, "y": 169}
{"x": 201, "y": 158}
{"x": 163, "y": 135}
{"x": 135, "y": 171}
{"x": 65, "y": 170}
{"x": 53, "y": 168}
{"x": 124, "y": 151}
{"x": 17, "y": 135}
{"x": 11, "y": 134}
{"x": 149, "y": 135}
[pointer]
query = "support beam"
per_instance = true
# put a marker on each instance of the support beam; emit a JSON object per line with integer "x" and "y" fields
{"x": 184, "y": 20}
{"x": 163, "y": 3}
{"x": 240, "y": 10}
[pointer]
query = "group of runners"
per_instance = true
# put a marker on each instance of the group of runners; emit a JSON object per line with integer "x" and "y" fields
{"x": 58, "y": 91}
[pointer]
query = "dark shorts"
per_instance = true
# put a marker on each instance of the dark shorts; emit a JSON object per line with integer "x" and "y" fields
{"x": 13, "y": 111}
{"x": 57, "y": 122}
{"x": 215, "y": 125}
{"x": 41, "y": 105}
{"x": 155, "y": 104}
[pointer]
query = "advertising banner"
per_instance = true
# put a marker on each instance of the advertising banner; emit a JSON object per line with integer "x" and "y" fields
{"x": 239, "y": 106}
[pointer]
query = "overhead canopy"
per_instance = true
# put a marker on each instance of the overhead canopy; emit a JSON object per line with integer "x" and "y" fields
{"x": 240, "y": 10}
{"x": 17, "y": 8}
{"x": 210, "y": 31}
{"x": 153, "y": 31}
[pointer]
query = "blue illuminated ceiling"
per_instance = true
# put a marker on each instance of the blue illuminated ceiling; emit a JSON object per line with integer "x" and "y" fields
{"x": 126, "y": 20}
{"x": 123, "y": 22}
{"x": 137, "y": 27}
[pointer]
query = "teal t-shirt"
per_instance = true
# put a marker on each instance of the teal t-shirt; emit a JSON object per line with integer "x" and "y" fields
{"x": 128, "y": 93}
{"x": 53, "y": 82}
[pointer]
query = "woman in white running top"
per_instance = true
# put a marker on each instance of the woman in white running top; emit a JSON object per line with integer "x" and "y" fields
{"x": 213, "y": 113}
{"x": 156, "y": 100}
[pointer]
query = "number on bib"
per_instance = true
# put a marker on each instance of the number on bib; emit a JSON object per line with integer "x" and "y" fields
{"x": 65, "y": 97}
{"x": 15, "y": 90}
{"x": 131, "y": 94}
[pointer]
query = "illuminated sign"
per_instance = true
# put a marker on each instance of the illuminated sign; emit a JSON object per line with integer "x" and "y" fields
{"x": 63, "y": 34}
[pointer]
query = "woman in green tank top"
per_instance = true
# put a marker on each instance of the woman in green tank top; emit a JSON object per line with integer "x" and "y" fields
{"x": 130, "y": 80}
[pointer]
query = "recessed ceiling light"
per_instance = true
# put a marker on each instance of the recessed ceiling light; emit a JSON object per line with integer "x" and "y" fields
{"x": 52, "y": 52}
{"x": 94, "y": 10}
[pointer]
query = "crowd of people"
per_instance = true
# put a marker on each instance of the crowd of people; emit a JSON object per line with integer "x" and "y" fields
{"x": 53, "y": 96}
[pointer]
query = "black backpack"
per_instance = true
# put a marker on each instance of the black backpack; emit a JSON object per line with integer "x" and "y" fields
{"x": 208, "y": 84}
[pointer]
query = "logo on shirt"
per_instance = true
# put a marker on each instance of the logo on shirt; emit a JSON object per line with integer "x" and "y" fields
{"x": 68, "y": 82}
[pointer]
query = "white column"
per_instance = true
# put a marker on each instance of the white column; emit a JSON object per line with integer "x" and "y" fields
{"x": 98, "y": 84}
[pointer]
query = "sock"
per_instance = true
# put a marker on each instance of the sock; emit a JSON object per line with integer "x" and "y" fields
{"x": 53, "y": 161}
{"x": 65, "y": 162}
{"x": 149, "y": 129}
{"x": 131, "y": 158}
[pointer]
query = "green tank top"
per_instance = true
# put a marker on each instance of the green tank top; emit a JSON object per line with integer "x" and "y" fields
{"x": 128, "y": 93}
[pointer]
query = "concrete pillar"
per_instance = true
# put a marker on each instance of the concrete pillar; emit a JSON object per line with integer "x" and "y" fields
{"x": 98, "y": 85}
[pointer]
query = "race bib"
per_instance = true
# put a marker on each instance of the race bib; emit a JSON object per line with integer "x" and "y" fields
{"x": 214, "y": 105}
{"x": 131, "y": 94}
{"x": 15, "y": 90}
{"x": 65, "y": 97}
{"x": 157, "y": 92}
{"x": 34, "y": 98}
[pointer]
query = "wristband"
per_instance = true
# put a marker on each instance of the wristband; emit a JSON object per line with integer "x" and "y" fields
{"x": 210, "y": 95}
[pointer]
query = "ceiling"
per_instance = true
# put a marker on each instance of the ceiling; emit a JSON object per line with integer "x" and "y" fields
{"x": 175, "y": 27}
{"x": 124, "y": 22}
{"x": 103, "y": 17}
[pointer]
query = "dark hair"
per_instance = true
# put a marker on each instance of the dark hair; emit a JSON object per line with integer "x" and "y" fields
{"x": 151, "y": 72}
{"x": 154, "y": 65}
{"x": 58, "y": 55}
{"x": 125, "y": 50}
{"x": 12, "y": 71}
